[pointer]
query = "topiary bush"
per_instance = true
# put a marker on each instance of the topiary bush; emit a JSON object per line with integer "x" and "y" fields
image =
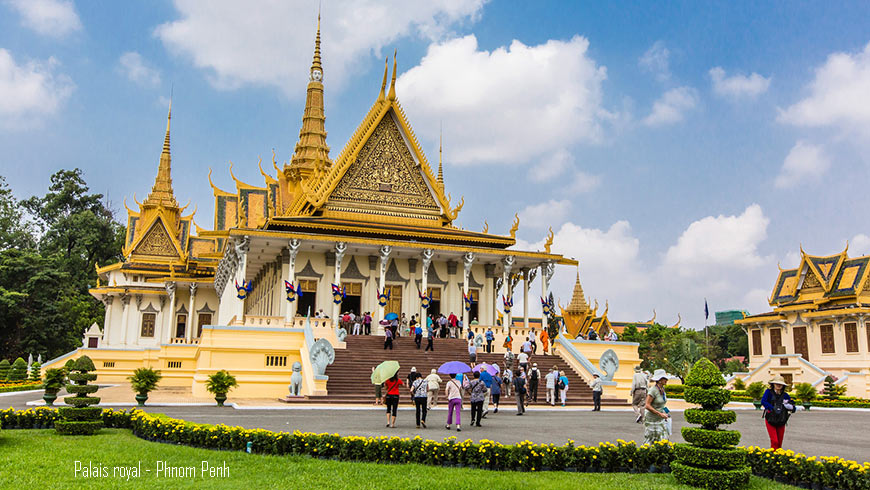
{"x": 18, "y": 371}
{"x": 755, "y": 390}
{"x": 81, "y": 418}
{"x": 35, "y": 372}
{"x": 4, "y": 369}
{"x": 710, "y": 460}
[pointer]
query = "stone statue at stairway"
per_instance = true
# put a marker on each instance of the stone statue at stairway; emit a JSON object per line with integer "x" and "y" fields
{"x": 322, "y": 355}
{"x": 296, "y": 379}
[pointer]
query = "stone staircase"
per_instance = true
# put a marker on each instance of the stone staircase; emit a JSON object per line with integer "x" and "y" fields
{"x": 350, "y": 374}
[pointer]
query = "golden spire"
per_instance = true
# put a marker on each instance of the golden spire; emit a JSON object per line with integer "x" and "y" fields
{"x": 392, "y": 95}
{"x": 578, "y": 300}
{"x": 161, "y": 192}
{"x": 311, "y": 150}
{"x": 384, "y": 83}
{"x": 440, "y": 167}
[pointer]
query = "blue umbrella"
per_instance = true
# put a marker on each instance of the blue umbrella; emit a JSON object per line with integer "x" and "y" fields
{"x": 391, "y": 316}
{"x": 454, "y": 367}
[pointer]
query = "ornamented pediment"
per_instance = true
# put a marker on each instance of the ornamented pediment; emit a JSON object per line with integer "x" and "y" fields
{"x": 811, "y": 281}
{"x": 393, "y": 275}
{"x": 352, "y": 271}
{"x": 384, "y": 173}
{"x": 157, "y": 242}
{"x": 826, "y": 268}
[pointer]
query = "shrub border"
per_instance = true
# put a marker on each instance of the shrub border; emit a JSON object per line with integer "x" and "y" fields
{"x": 780, "y": 464}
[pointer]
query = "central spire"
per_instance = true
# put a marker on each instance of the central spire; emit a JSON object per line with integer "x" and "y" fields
{"x": 161, "y": 192}
{"x": 311, "y": 150}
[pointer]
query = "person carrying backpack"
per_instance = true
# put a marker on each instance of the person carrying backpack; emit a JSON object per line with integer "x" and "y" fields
{"x": 519, "y": 391}
{"x": 534, "y": 377}
{"x": 778, "y": 407}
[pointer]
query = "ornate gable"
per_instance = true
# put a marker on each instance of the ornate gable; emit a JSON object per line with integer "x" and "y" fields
{"x": 826, "y": 268}
{"x": 157, "y": 242}
{"x": 785, "y": 289}
{"x": 385, "y": 174}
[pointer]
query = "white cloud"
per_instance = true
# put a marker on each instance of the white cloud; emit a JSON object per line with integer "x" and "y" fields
{"x": 656, "y": 60}
{"x": 803, "y": 162}
{"x": 859, "y": 245}
{"x": 135, "y": 68}
{"x": 672, "y": 106}
{"x": 30, "y": 91}
{"x": 545, "y": 214}
{"x": 719, "y": 242}
{"x": 839, "y": 95}
{"x": 271, "y": 43}
{"x": 552, "y": 166}
{"x": 756, "y": 300}
{"x": 737, "y": 86}
{"x": 55, "y": 18}
{"x": 582, "y": 182}
{"x": 508, "y": 105}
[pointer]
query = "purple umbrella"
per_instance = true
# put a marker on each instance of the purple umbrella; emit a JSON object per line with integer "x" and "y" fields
{"x": 489, "y": 368}
{"x": 454, "y": 367}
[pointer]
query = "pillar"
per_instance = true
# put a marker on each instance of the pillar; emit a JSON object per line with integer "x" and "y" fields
{"x": 488, "y": 316}
{"x": 289, "y": 274}
{"x": 107, "y": 322}
{"x": 340, "y": 249}
{"x": 170, "y": 322}
{"x": 384, "y": 257}
{"x": 508, "y": 263}
{"x": 191, "y": 316}
{"x": 525, "y": 271}
{"x": 467, "y": 261}
{"x": 427, "y": 259}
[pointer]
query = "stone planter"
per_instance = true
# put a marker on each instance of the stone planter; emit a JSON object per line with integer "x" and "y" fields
{"x": 757, "y": 404}
{"x": 49, "y": 398}
{"x": 140, "y": 398}
{"x": 220, "y": 398}
{"x": 807, "y": 405}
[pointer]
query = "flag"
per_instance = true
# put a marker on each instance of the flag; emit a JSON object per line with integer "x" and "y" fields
{"x": 706, "y": 311}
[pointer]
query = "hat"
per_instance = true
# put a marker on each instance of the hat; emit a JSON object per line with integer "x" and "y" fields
{"x": 434, "y": 371}
{"x": 659, "y": 374}
{"x": 637, "y": 368}
{"x": 596, "y": 375}
{"x": 777, "y": 380}
{"x": 413, "y": 370}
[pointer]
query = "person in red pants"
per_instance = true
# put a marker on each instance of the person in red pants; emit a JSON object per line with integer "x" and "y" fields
{"x": 778, "y": 407}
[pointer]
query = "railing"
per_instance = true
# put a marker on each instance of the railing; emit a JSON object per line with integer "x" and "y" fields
{"x": 182, "y": 340}
{"x": 582, "y": 360}
{"x": 264, "y": 321}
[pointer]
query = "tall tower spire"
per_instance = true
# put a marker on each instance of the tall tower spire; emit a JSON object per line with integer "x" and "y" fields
{"x": 311, "y": 150}
{"x": 440, "y": 154}
{"x": 578, "y": 299}
{"x": 161, "y": 192}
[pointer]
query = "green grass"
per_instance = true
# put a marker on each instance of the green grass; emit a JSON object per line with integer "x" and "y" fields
{"x": 43, "y": 459}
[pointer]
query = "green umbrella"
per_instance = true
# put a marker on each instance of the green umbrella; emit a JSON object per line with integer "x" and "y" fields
{"x": 384, "y": 371}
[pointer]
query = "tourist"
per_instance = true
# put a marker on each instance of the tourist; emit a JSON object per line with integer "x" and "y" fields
{"x": 472, "y": 353}
{"x": 454, "y": 402}
{"x": 639, "y": 385}
{"x": 490, "y": 336}
{"x": 526, "y": 348}
{"x": 430, "y": 337}
{"x": 367, "y": 323}
{"x": 596, "y": 393}
{"x": 523, "y": 359}
{"x": 357, "y": 326}
{"x": 507, "y": 378}
{"x": 451, "y": 320}
{"x": 777, "y": 405}
{"x": 534, "y": 378}
{"x": 460, "y": 325}
{"x": 477, "y": 388}
{"x": 394, "y": 326}
{"x": 404, "y": 323}
{"x": 545, "y": 340}
{"x": 412, "y": 376}
{"x": 519, "y": 386}
{"x": 562, "y": 384}
{"x": 508, "y": 361}
{"x": 592, "y": 335}
{"x": 487, "y": 380}
{"x": 474, "y": 321}
{"x": 533, "y": 337}
{"x": 655, "y": 420}
{"x": 388, "y": 338}
{"x": 442, "y": 321}
{"x": 420, "y": 391}
{"x": 418, "y": 332}
{"x": 433, "y": 382}
{"x": 392, "y": 399}
{"x": 551, "y": 387}
{"x": 378, "y": 391}
{"x": 495, "y": 391}
{"x": 470, "y": 335}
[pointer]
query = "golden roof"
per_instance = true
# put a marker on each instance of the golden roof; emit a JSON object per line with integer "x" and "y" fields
{"x": 161, "y": 193}
{"x": 578, "y": 302}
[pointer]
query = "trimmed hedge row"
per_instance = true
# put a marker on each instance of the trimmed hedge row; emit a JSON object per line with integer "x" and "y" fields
{"x": 710, "y": 438}
{"x": 707, "y": 398}
{"x": 781, "y": 464}
{"x": 740, "y": 396}
{"x": 711, "y": 478}
{"x": 710, "y": 417}
{"x": 699, "y": 456}
{"x": 10, "y": 387}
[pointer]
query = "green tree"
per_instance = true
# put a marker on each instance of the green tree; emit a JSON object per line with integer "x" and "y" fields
{"x": 683, "y": 353}
{"x": 14, "y": 231}
{"x": 18, "y": 371}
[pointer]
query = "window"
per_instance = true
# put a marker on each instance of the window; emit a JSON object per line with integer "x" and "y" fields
{"x": 107, "y": 364}
{"x": 173, "y": 364}
{"x": 276, "y": 361}
{"x": 180, "y": 325}
{"x": 827, "y": 334}
{"x": 308, "y": 285}
{"x": 756, "y": 342}
{"x": 92, "y": 342}
{"x": 776, "y": 341}
{"x": 148, "y": 320}
{"x": 204, "y": 319}
{"x": 851, "y": 337}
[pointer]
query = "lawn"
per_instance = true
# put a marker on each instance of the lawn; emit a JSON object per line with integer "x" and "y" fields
{"x": 43, "y": 459}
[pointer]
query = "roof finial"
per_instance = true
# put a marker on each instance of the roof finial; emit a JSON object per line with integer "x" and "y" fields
{"x": 315, "y": 64}
{"x": 168, "y": 119}
{"x": 440, "y": 166}
{"x": 392, "y": 95}
{"x": 384, "y": 83}
{"x": 161, "y": 192}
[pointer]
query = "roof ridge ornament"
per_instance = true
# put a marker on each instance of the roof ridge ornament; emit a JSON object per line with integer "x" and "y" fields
{"x": 392, "y": 94}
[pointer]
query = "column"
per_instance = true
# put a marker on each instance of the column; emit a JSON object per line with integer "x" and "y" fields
{"x": 191, "y": 316}
{"x": 340, "y": 249}
{"x": 242, "y": 245}
{"x": 385, "y": 257}
{"x": 170, "y": 322}
{"x": 508, "y": 263}
{"x": 125, "y": 318}
{"x": 525, "y": 271}
{"x": 488, "y": 316}
{"x": 289, "y": 274}
{"x": 547, "y": 269}
{"x": 107, "y": 322}
{"x": 427, "y": 259}
{"x": 467, "y": 261}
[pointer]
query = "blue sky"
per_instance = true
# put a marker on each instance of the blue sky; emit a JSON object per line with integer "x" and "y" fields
{"x": 679, "y": 151}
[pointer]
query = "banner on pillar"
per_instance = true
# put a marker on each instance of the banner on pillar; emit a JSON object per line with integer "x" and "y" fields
{"x": 468, "y": 300}
{"x": 508, "y": 302}
{"x": 547, "y": 307}
{"x": 383, "y": 296}
{"x": 292, "y": 292}
{"x": 245, "y": 289}
{"x": 338, "y": 293}
{"x": 426, "y": 299}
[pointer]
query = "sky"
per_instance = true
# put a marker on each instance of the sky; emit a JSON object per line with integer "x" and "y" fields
{"x": 680, "y": 151}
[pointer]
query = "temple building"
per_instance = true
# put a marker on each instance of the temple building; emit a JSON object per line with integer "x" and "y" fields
{"x": 818, "y": 325}
{"x": 369, "y": 230}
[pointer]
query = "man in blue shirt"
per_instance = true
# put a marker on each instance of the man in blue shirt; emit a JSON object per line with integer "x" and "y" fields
{"x": 489, "y": 338}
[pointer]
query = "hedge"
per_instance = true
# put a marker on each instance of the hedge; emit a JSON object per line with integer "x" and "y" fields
{"x": 843, "y": 402}
{"x": 710, "y": 438}
{"x": 707, "y": 397}
{"x": 710, "y": 478}
{"x": 783, "y": 465}
{"x": 710, "y": 417}
{"x": 699, "y": 456}
{"x": 7, "y": 387}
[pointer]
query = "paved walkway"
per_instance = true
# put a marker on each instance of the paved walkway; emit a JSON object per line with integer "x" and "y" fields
{"x": 817, "y": 432}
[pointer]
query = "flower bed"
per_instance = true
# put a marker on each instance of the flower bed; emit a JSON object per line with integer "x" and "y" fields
{"x": 780, "y": 464}
{"x": 9, "y": 386}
